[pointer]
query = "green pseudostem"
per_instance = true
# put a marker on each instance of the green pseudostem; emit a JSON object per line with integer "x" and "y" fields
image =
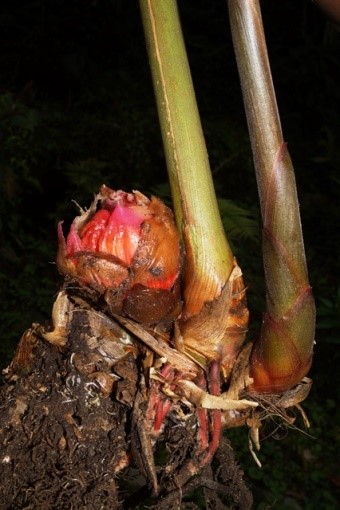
{"x": 209, "y": 257}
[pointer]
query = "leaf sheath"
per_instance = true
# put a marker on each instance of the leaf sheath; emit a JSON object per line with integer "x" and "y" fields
{"x": 282, "y": 355}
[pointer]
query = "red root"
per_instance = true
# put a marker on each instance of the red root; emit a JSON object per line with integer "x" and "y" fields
{"x": 216, "y": 414}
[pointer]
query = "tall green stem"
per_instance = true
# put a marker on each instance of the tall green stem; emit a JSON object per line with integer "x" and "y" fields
{"x": 282, "y": 355}
{"x": 209, "y": 260}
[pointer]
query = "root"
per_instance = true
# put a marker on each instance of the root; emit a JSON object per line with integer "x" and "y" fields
{"x": 220, "y": 486}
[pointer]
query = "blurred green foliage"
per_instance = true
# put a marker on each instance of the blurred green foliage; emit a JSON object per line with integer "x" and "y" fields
{"x": 77, "y": 110}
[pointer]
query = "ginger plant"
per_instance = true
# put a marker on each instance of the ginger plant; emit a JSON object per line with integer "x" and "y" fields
{"x": 124, "y": 254}
{"x": 148, "y": 333}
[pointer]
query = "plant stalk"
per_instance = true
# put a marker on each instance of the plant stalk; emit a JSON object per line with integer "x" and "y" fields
{"x": 282, "y": 355}
{"x": 209, "y": 260}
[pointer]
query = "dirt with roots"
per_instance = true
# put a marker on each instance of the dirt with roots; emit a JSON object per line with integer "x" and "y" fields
{"x": 68, "y": 431}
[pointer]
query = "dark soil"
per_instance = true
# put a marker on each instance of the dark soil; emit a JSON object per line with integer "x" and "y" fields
{"x": 68, "y": 442}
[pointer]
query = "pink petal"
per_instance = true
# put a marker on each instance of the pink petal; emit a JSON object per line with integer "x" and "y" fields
{"x": 73, "y": 242}
{"x": 121, "y": 236}
{"x": 92, "y": 232}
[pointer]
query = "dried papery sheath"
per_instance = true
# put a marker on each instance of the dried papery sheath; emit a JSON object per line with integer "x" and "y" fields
{"x": 218, "y": 331}
{"x": 126, "y": 248}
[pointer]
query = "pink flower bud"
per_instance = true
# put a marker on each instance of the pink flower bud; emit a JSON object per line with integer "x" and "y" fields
{"x": 126, "y": 247}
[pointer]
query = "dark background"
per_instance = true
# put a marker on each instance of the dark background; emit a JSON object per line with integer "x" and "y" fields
{"x": 77, "y": 110}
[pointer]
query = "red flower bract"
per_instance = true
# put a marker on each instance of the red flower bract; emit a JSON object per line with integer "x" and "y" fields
{"x": 126, "y": 247}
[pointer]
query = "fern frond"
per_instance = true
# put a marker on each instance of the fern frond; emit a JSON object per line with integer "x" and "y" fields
{"x": 239, "y": 222}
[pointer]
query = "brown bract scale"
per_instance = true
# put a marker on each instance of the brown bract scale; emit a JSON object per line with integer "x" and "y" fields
{"x": 218, "y": 331}
{"x": 126, "y": 248}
